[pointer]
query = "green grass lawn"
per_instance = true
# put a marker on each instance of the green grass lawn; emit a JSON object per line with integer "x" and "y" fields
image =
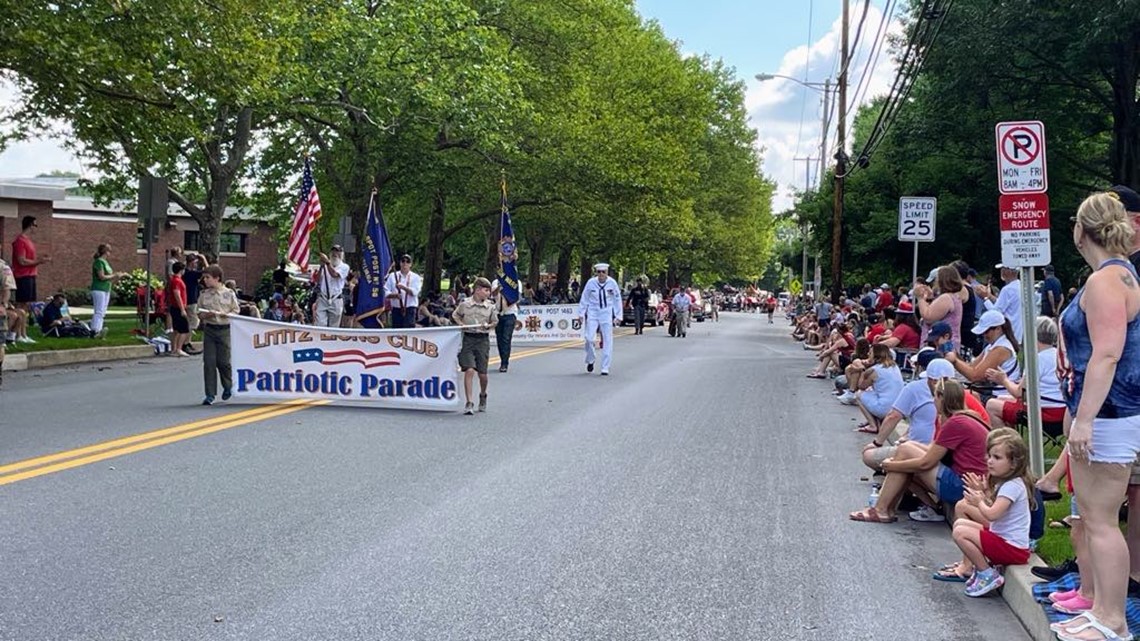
{"x": 118, "y": 333}
{"x": 1055, "y": 546}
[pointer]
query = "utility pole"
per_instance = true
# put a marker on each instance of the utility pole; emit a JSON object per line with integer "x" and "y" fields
{"x": 803, "y": 224}
{"x": 840, "y": 170}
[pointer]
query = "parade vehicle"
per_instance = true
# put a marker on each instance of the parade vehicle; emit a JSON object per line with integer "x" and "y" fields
{"x": 655, "y": 314}
{"x": 701, "y": 308}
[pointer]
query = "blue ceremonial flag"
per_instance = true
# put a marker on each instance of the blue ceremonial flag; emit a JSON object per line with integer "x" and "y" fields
{"x": 508, "y": 252}
{"x": 374, "y": 268}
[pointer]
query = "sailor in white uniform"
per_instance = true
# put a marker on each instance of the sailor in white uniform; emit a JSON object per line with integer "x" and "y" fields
{"x": 598, "y": 309}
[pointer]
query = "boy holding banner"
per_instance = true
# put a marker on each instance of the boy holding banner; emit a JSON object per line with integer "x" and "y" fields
{"x": 477, "y": 315}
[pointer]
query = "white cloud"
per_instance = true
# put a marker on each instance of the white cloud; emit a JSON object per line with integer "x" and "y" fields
{"x": 775, "y": 106}
{"x": 38, "y": 155}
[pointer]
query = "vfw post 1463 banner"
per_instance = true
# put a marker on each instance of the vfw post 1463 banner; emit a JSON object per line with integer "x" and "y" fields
{"x": 409, "y": 369}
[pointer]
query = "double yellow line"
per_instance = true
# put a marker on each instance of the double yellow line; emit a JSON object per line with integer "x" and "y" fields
{"x": 66, "y": 460}
{"x": 33, "y": 467}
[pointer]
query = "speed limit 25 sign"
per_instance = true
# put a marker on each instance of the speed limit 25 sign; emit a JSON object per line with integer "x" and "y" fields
{"x": 917, "y": 216}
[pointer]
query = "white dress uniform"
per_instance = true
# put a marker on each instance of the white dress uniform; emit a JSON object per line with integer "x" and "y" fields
{"x": 600, "y": 305}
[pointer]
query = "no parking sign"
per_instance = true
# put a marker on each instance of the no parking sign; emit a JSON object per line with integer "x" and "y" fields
{"x": 1021, "y": 157}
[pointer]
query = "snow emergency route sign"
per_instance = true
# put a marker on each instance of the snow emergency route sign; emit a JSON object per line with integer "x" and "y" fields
{"x": 1021, "y": 157}
{"x": 1025, "y": 230}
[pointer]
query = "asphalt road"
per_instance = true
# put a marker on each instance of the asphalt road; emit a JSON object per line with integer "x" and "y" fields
{"x": 699, "y": 492}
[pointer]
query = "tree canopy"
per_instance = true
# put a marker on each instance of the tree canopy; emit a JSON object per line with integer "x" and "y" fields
{"x": 615, "y": 145}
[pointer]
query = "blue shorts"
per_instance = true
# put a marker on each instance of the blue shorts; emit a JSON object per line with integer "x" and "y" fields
{"x": 950, "y": 486}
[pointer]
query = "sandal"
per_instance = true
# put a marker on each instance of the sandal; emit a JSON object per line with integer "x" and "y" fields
{"x": 950, "y": 575}
{"x": 814, "y": 375}
{"x": 1066, "y": 629}
{"x": 871, "y": 515}
{"x": 867, "y": 428}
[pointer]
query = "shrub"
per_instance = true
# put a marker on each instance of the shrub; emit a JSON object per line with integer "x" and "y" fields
{"x": 80, "y": 296}
{"x": 124, "y": 288}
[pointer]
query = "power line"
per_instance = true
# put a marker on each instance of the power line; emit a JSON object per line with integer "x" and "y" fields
{"x": 807, "y": 69}
{"x": 873, "y": 56}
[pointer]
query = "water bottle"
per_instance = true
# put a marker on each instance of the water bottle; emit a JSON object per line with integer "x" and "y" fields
{"x": 873, "y": 499}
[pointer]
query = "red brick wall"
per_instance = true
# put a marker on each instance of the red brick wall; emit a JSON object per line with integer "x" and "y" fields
{"x": 70, "y": 240}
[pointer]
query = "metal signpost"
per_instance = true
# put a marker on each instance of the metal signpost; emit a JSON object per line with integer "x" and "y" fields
{"x": 917, "y": 218}
{"x": 1024, "y": 210}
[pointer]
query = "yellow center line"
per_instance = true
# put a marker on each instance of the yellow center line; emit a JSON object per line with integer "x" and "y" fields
{"x": 68, "y": 459}
{"x": 277, "y": 410}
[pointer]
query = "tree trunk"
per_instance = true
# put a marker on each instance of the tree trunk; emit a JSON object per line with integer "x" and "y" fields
{"x": 1125, "y": 147}
{"x": 491, "y": 258}
{"x": 562, "y": 284}
{"x": 536, "y": 243}
{"x": 585, "y": 268}
{"x": 433, "y": 258}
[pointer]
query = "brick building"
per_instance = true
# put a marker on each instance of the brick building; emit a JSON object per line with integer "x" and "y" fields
{"x": 69, "y": 228}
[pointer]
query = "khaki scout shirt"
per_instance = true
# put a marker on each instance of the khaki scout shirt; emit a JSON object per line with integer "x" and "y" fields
{"x": 220, "y": 299}
{"x": 470, "y": 312}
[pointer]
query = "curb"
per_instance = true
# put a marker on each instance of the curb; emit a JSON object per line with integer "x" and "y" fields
{"x": 1018, "y": 595}
{"x": 55, "y": 358}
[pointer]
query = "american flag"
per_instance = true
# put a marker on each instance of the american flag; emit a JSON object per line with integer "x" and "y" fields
{"x": 367, "y": 360}
{"x": 305, "y": 219}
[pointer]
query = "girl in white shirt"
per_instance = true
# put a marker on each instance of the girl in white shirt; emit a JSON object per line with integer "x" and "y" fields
{"x": 1004, "y": 501}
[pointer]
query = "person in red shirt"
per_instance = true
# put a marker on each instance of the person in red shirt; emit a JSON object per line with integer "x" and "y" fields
{"x": 906, "y": 334}
{"x": 25, "y": 262}
{"x": 176, "y": 303}
{"x": 878, "y": 327}
{"x": 886, "y": 298}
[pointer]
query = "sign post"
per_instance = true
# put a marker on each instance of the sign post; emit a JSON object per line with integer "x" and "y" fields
{"x": 1025, "y": 244}
{"x": 918, "y": 216}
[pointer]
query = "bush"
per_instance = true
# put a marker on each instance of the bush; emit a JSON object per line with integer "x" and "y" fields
{"x": 78, "y": 296}
{"x": 124, "y": 288}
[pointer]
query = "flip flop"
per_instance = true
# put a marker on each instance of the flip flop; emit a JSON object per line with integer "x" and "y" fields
{"x": 871, "y": 515}
{"x": 866, "y": 428}
{"x": 816, "y": 376}
{"x": 949, "y": 575}
{"x": 1066, "y": 629}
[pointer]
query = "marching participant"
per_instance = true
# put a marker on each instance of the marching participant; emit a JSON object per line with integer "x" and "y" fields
{"x": 330, "y": 288}
{"x": 598, "y": 309}
{"x": 403, "y": 289}
{"x": 477, "y": 315}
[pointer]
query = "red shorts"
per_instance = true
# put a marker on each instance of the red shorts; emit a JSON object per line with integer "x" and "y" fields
{"x": 1000, "y": 552}
{"x": 1010, "y": 410}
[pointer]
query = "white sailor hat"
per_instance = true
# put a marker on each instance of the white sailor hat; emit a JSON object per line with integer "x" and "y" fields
{"x": 602, "y": 267}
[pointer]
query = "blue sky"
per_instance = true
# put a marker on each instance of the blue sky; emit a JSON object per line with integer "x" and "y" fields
{"x": 754, "y": 36}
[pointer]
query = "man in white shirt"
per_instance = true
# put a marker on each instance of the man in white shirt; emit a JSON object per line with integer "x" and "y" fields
{"x": 598, "y": 309}
{"x": 681, "y": 304}
{"x": 330, "y": 288}
{"x": 505, "y": 330}
{"x": 1008, "y": 301}
{"x": 403, "y": 288}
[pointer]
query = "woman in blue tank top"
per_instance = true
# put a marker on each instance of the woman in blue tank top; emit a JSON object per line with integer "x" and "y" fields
{"x": 1100, "y": 364}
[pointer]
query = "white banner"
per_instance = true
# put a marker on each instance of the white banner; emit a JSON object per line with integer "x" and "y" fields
{"x": 407, "y": 369}
{"x": 547, "y": 323}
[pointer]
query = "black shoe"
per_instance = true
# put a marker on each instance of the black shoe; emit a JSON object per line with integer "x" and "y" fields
{"x": 503, "y": 368}
{"x": 226, "y": 394}
{"x": 1054, "y": 573}
{"x": 589, "y": 367}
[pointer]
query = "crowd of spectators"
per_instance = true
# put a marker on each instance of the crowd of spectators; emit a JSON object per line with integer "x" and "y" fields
{"x": 936, "y": 370}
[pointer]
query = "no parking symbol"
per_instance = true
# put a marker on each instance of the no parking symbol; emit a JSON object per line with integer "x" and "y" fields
{"x": 1021, "y": 157}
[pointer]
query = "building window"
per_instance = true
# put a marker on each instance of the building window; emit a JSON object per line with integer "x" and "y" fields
{"x": 230, "y": 242}
{"x": 141, "y": 241}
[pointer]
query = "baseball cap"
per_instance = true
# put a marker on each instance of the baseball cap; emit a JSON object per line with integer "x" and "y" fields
{"x": 990, "y": 319}
{"x": 932, "y": 275}
{"x": 884, "y": 286}
{"x": 406, "y": 258}
{"x": 905, "y": 308}
{"x": 938, "y": 368}
{"x": 1129, "y": 198}
{"x": 337, "y": 248}
{"x": 941, "y": 328}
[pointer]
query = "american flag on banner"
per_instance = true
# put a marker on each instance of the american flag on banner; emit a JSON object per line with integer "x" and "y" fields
{"x": 305, "y": 219}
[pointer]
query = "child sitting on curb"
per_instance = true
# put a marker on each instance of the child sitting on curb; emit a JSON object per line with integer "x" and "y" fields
{"x": 994, "y": 528}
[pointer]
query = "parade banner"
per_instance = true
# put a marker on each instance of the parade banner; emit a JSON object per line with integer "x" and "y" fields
{"x": 547, "y": 323}
{"x": 406, "y": 369}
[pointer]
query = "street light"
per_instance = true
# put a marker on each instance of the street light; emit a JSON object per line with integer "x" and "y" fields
{"x": 824, "y": 88}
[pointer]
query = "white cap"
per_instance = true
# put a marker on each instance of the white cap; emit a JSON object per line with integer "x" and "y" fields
{"x": 884, "y": 286}
{"x": 990, "y": 319}
{"x": 602, "y": 267}
{"x": 938, "y": 368}
{"x": 932, "y": 276}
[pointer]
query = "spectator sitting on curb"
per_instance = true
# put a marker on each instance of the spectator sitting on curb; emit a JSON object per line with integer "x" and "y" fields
{"x": 916, "y": 404}
{"x": 918, "y": 467}
{"x": 878, "y": 388}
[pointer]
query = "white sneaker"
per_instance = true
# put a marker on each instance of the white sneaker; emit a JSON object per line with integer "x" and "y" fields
{"x": 926, "y": 514}
{"x": 848, "y": 398}
{"x": 25, "y": 339}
